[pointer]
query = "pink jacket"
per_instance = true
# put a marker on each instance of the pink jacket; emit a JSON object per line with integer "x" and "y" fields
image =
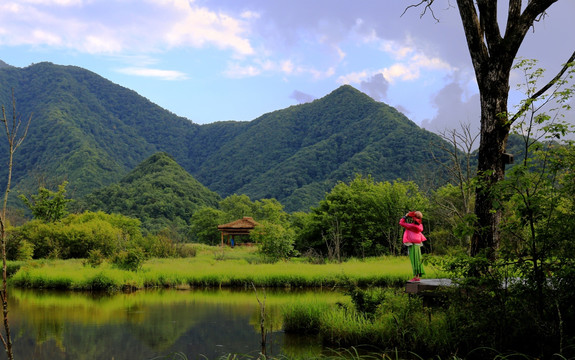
{"x": 413, "y": 232}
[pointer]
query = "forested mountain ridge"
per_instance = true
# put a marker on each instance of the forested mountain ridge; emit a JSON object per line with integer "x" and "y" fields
{"x": 309, "y": 147}
{"x": 84, "y": 128}
{"x": 91, "y": 132}
{"x": 158, "y": 192}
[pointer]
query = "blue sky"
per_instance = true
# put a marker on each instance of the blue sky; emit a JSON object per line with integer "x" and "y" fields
{"x": 216, "y": 60}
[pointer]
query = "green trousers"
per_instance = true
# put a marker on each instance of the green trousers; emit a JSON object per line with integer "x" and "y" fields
{"x": 415, "y": 258}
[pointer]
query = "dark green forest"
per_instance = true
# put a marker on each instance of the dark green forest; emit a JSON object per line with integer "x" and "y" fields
{"x": 158, "y": 192}
{"x": 91, "y": 133}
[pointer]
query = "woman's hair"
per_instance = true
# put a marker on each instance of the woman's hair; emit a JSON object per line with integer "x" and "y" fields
{"x": 418, "y": 214}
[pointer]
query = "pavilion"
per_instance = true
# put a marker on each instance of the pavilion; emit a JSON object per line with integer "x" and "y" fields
{"x": 237, "y": 229}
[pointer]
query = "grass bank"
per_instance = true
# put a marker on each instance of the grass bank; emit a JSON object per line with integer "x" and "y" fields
{"x": 212, "y": 267}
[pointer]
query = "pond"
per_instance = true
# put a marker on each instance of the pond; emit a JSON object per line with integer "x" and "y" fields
{"x": 200, "y": 324}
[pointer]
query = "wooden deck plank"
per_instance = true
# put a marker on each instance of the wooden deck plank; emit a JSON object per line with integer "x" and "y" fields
{"x": 426, "y": 286}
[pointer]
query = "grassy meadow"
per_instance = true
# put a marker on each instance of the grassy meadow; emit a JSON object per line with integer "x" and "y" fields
{"x": 212, "y": 267}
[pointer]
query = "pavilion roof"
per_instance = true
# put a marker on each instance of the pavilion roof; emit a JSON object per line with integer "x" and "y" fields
{"x": 245, "y": 223}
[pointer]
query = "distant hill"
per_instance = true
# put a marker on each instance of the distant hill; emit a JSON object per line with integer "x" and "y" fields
{"x": 85, "y": 129}
{"x": 299, "y": 153}
{"x": 92, "y": 132}
{"x": 158, "y": 192}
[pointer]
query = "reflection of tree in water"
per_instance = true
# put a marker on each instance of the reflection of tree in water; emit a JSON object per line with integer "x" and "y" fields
{"x": 162, "y": 326}
{"x": 143, "y": 325}
{"x": 47, "y": 330}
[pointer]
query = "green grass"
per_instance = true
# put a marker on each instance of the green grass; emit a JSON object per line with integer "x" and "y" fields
{"x": 212, "y": 267}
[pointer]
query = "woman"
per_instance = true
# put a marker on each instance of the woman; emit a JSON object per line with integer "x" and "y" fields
{"x": 413, "y": 238}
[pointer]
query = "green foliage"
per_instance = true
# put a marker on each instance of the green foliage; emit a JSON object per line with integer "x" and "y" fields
{"x": 131, "y": 259}
{"x": 519, "y": 299}
{"x": 95, "y": 258}
{"x": 25, "y": 251}
{"x": 159, "y": 192}
{"x": 77, "y": 234}
{"x": 303, "y": 318}
{"x": 394, "y": 320}
{"x": 275, "y": 242}
{"x": 48, "y": 205}
{"x": 366, "y": 301}
{"x": 360, "y": 218}
{"x": 205, "y": 221}
{"x": 452, "y": 227}
{"x": 82, "y": 122}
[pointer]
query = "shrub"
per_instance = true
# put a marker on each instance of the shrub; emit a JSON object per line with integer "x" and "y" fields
{"x": 25, "y": 250}
{"x": 77, "y": 234}
{"x": 366, "y": 301}
{"x": 95, "y": 258}
{"x": 275, "y": 242}
{"x": 131, "y": 259}
{"x": 186, "y": 251}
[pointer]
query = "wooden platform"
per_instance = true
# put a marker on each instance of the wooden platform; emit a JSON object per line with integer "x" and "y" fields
{"x": 426, "y": 286}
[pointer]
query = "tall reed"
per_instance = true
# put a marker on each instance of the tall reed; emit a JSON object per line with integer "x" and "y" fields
{"x": 206, "y": 271}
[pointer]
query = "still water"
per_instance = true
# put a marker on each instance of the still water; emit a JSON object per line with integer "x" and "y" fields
{"x": 201, "y": 324}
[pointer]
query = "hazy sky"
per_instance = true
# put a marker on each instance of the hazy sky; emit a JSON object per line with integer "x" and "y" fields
{"x": 215, "y": 60}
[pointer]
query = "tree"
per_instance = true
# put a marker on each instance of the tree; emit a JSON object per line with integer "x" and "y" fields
{"x": 275, "y": 242}
{"x": 15, "y": 136}
{"x": 361, "y": 218}
{"x": 493, "y": 55}
{"x": 205, "y": 223}
{"x": 453, "y": 203}
{"x": 538, "y": 199}
{"x": 48, "y": 205}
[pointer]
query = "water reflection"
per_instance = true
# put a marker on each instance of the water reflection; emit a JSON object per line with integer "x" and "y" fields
{"x": 146, "y": 324}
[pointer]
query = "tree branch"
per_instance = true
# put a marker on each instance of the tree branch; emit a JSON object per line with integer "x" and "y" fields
{"x": 427, "y": 7}
{"x": 541, "y": 91}
{"x": 473, "y": 34}
{"x": 489, "y": 24}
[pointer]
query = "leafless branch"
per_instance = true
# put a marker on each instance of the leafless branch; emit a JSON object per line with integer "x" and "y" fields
{"x": 427, "y": 7}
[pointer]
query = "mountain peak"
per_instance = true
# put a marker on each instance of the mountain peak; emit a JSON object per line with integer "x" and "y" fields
{"x": 347, "y": 91}
{"x": 4, "y": 65}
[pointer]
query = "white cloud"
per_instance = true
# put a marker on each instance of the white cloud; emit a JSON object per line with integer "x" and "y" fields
{"x": 201, "y": 26}
{"x": 52, "y": 2}
{"x": 269, "y": 66}
{"x": 354, "y": 77}
{"x": 155, "y": 73}
{"x": 409, "y": 70}
{"x": 134, "y": 25}
{"x": 46, "y": 37}
{"x": 238, "y": 71}
{"x": 397, "y": 50}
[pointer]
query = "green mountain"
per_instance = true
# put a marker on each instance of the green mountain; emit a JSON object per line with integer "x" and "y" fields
{"x": 297, "y": 154}
{"x": 84, "y": 129}
{"x": 158, "y": 192}
{"x": 92, "y": 132}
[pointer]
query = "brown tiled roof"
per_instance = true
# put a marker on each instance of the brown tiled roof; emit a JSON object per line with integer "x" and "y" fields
{"x": 245, "y": 223}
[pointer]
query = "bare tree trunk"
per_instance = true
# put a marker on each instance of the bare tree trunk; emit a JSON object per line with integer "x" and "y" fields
{"x": 15, "y": 136}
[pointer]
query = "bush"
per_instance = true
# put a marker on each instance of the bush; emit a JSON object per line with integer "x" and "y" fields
{"x": 95, "y": 258}
{"x": 75, "y": 235}
{"x": 275, "y": 242}
{"x": 366, "y": 301}
{"x": 131, "y": 259}
{"x": 25, "y": 250}
{"x": 186, "y": 251}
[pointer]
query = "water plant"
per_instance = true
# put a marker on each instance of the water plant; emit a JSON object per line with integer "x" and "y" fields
{"x": 205, "y": 271}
